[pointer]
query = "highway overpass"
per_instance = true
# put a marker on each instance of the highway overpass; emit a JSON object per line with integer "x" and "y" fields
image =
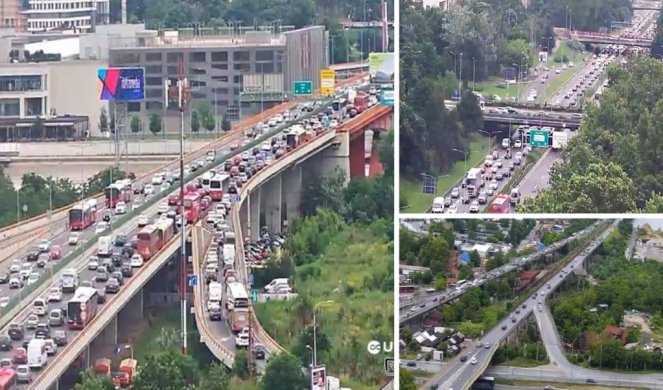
{"x": 130, "y": 294}
{"x": 461, "y": 375}
{"x": 540, "y": 119}
{"x": 609, "y": 39}
{"x": 413, "y": 309}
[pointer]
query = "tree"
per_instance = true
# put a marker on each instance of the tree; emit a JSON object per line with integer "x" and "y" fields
{"x": 209, "y": 122}
{"x": 89, "y": 381}
{"x": 195, "y": 121}
{"x": 225, "y": 124}
{"x": 284, "y": 373}
{"x": 216, "y": 379}
{"x": 440, "y": 283}
{"x": 169, "y": 370}
{"x": 103, "y": 120}
{"x": 434, "y": 252}
{"x": 155, "y": 123}
{"x": 241, "y": 364}
{"x": 135, "y": 124}
{"x": 475, "y": 258}
{"x": 406, "y": 380}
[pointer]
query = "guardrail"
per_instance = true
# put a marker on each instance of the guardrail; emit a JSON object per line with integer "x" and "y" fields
{"x": 206, "y": 335}
{"x": 236, "y": 130}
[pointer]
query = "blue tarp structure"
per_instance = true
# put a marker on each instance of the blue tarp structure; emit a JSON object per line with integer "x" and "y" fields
{"x": 540, "y": 246}
{"x": 465, "y": 257}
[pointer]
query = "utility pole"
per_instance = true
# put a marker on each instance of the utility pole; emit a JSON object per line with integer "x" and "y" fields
{"x": 181, "y": 93}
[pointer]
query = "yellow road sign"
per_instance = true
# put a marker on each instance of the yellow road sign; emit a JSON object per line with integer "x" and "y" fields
{"x": 327, "y": 82}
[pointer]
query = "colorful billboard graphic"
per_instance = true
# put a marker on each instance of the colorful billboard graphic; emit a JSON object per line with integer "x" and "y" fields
{"x": 122, "y": 84}
{"x": 319, "y": 378}
{"x": 381, "y": 67}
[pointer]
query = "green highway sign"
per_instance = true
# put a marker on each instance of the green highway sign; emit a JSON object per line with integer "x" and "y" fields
{"x": 254, "y": 295}
{"x": 538, "y": 138}
{"x": 303, "y": 87}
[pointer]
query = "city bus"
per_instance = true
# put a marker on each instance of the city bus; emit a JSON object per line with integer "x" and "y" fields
{"x": 339, "y": 104}
{"x": 152, "y": 238}
{"x": 500, "y": 205}
{"x": 237, "y": 296}
{"x": 120, "y": 191}
{"x": 216, "y": 185}
{"x": 205, "y": 180}
{"x": 82, "y": 308}
{"x": 192, "y": 207}
{"x": 82, "y": 215}
{"x": 461, "y": 283}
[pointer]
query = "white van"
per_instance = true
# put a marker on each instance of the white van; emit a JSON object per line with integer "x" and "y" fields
{"x": 37, "y": 353}
{"x": 506, "y": 143}
{"x": 105, "y": 246}
{"x": 438, "y": 205}
{"x": 276, "y": 285}
{"x": 229, "y": 254}
{"x": 39, "y": 306}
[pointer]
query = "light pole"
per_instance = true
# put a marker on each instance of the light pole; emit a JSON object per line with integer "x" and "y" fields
{"x": 315, "y": 325}
{"x": 460, "y": 75}
{"x": 465, "y": 153}
{"x": 453, "y": 54}
{"x": 490, "y": 135}
{"x": 347, "y": 46}
{"x": 310, "y": 349}
{"x": 474, "y": 74}
{"x": 50, "y": 210}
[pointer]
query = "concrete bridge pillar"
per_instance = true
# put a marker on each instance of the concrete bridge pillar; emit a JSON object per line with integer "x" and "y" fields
{"x": 254, "y": 214}
{"x": 337, "y": 155}
{"x": 243, "y": 216}
{"x": 358, "y": 156}
{"x": 110, "y": 333}
{"x": 270, "y": 203}
{"x": 291, "y": 195}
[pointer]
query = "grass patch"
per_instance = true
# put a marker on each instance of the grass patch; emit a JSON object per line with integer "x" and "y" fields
{"x": 419, "y": 202}
{"x": 239, "y": 384}
{"x": 348, "y": 271}
{"x": 163, "y": 329}
{"x": 495, "y": 87}
{"x": 565, "y": 50}
{"x": 559, "y": 385}
{"x": 524, "y": 362}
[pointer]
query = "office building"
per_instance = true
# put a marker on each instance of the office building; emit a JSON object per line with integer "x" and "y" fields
{"x": 75, "y": 15}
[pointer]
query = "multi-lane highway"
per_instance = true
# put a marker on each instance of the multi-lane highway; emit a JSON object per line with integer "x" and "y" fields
{"x": 80, "y": 264}
{"x": 413, "y": 308}
{"x": 458, "y": 374}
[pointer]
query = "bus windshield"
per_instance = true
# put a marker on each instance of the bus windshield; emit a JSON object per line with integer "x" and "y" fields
{"x": 75, "y": 215}
{"x": 216, "y": 184}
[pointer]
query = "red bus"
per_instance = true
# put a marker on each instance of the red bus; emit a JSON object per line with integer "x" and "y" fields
{"x": 154, "y": 237}
{"x": 7, "y": 378}
{"x": 216, "y": 186}
{"x": 361, "y": 101}
{"x": 500, "y": 205}
{"x": 82, "y": 308}
{"x": 120, "y": 191}
{"x": 83, "y": 215}
{"x": 192, "y": 207}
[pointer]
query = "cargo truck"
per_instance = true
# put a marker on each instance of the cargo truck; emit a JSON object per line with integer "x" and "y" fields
{"x": 474, "y": 182}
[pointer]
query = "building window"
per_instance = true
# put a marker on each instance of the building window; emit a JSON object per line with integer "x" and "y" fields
{"x": 10, "y": 107}
{"x": 267, "y": 67}
{"x": 220, "y": 66}
{"x": 153, "y": 57}
{"x": 172, "y": 58}
{"x": 264, "y": 55}
{"x": 198, "y": 56}
{"x": 33, "y": 107}
{"x": 222, "y": 91}
{"x": 153, "y": 69}
{"x": 197, "y": 71}
{"x": 237, "y": 79}
{"x": 124, "y": 58}
{"x": 154, "y": 93}
{"x": 242, "y": 67}
{"x": 154, "y": 106}
{"x": 199, "y": 95}
{"x": 197, "y": 84}
{"x": 242, "y": 55}
{"x": 20, "y": 83}
{"x": 133, "y": 107}
{"x": 153, "y": 81}
{"x": 223, "y": 79}
{"x": 219, "y": 56}
{"x": 173, "y": 70}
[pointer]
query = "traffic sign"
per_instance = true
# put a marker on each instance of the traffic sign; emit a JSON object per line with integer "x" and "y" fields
{"x": 254, "y": 295}
{"x": 538, "y": 138}
{"x": 193, "y": 280}
{"x": 327, "y": 82}
{"x": 429, "y": 184}
{"x": 250, "y": 279}
{"x": 387, "y": 98}
{"x": 303, "y": 88}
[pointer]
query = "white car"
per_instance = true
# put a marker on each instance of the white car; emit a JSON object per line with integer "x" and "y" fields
{"x": 136, "y": 260}
{"x": 163, "y": 208}
{"x": 93, "y": 263}
{"x": 44, "y": 245}
{"x": 15, "y": 283}
{"x": 474, "y": 207}
{"x": 54, "y": 294}
{"x": 143, "y": 221}
{"x": 455, "y": 193}
{"x": 73, "y": 238}
{"x": 121, "y": 208}
{"x": 149, "y": 189}
{"x": 15, "y": 267}
{"x": 156, "y": 180}
{"x": 473, "y": 360}
{"x": 242, "y": 339}
{"x": 494, "y": 185}
{"x": 101, "y": 227}
{"x": 517, "y": 144}
{"x": 34, "y": 276}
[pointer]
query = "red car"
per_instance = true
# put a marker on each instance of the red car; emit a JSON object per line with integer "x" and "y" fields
{"x": 20, "y": 356}
{"x": 56, "y": 253}
{"x": 174, "y": 200}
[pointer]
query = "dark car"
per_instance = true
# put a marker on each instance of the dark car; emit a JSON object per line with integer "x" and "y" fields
{"x": 259, "y": 351}
{"x": 60, "y": 337}
{"x": 5, "y": 343}
{"x": 127, "y": 251}
{"x": 4, "y": 278}
{"x": 118, "y": 275}
{"x": 463, "y": 358}
{"x": 117, "y": 259}
{"x": 33, "y": 254}
{"x": 139, "y": 189}
{"x": 108, "y": 263}
{"x": 590, "y": 380}
{"x": 41, "y": 262}
{"x": 101, "y": 297}
{"x": 112, "y": 286}
{"x": 101, "y": 275}
{"x": 127, "y": 271}
{"x": 43, "y": 331}
{"x": 16, "y": 332}
{"x": 120, "y": 240}
{"x": 504, "y": 327}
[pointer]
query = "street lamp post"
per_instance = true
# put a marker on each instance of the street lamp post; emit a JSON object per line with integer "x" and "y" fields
{"x": 460, "y": 76}
{"x": 453, "y": 54}
{"x": 490, "y": 135}
{"x": 474, "y": 74}
{"x": 465, "y": 153}
{"x": 315, "y": 325}
{"x": 50, "y": 210}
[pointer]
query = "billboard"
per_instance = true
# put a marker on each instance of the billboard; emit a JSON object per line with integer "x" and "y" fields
{"x": 121, "y": 84}
{"x": 262, "y": 82}
{"x": 381, "y": 67}
{"x": 327, "y": 82}
{"x": 319, "y": 378}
